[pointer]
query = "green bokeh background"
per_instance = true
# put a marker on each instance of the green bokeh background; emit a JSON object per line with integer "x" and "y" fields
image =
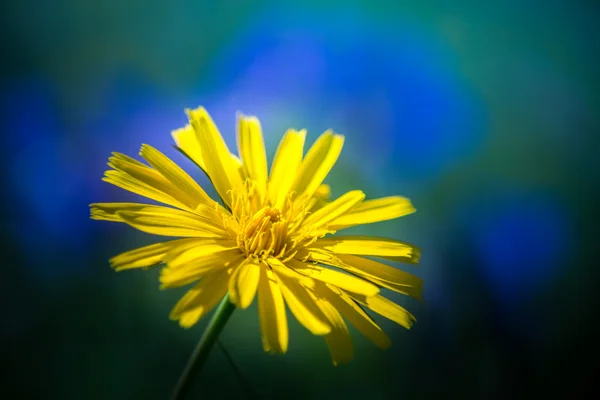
{"x": 485, "y": 115}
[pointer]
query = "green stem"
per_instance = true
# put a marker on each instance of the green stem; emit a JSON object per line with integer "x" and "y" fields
{"x": 245, "y": 385}
{"x": 202, "y": 350}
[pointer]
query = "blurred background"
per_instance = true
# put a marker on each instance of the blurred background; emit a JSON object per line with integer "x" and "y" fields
{"x": 485, "y": 115}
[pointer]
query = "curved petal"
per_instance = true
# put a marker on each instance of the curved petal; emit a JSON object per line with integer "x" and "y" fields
{"x": 338, "y": 340}
{"x": 243, "y": 283}
{"x": 320, "y": 198}
{"x": 185, "y": 139}
{"x": 146, "y": 256}
{"x": 186, "y": 142}
{"x": 200, "y": 299}
{"x": 157, "y": 220}
{"x": 271, "y": 310}
{"x": 251, "y": 148}
{"x": 333, "y": 210}
{"x": 374, "y": 271}
{"x": 383, "y": 275}
{"x": 370, "y": 246}
{"x": 318, "y": 162}
{"x": 199, "y": 248}
{"x": 336, "y": 278}
{"x": 355, "y": 314}
{"x": 285, "y": 166}
{"x": 171, "y": 277}
{"x": 390, "y": 310}
{"x": 174, "y": 174}
{"x": 220, "y": 166}
{"x": 133, "y": 176}
{"x": 300, "y": 302}
{"x": 376, "y": 210}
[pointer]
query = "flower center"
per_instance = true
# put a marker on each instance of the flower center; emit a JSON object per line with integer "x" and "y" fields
{"x": 263, "y": 234}
{"x": 263, "y": 230}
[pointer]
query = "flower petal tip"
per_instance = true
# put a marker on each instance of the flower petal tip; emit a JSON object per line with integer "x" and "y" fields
{"x": 196, "y": 113}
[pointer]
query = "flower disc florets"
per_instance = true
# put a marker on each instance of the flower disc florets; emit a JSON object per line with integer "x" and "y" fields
{"x": 263, "y": 230}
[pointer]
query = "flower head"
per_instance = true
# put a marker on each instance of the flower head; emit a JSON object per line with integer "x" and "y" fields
{"x": 270, "y": 238}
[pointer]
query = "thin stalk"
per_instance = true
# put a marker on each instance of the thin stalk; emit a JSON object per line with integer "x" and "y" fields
{"x": 202, "y": 350}
{"x": 245, "y": 385}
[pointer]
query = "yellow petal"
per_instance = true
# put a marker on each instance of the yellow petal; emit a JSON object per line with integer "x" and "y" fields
{"x": 390, "y": 310}
{"x": 237, "y": 163}
{"x": 171, "y": 277}
{"x": 338, "y": 340}
{"x": 304, "y": 308}
{"x": 251, "y": 148}
{"x": 243, "y": 283}
{"x": 146, "y": 256}
{"x": 178, "y": 177}
{"x": 285, "y": 166}
{"x": 157, "y": 220}
{"x": 318, "y": 162}
{"x": 120, "y": 159}
{"x": 108, "y": 211}
{"x": 126, "y": 182}
{"x": 186, "y": 141}
{"x": 291, "y": 273}
{"x": 383, "y": 275}
{"x": 370, "y": 246}
{"x": 333, "y": 210}
{"x": 138, "y": 178}
{"x": 336, "y": 278}
{"x": 157, "y": 216}
{"x": 271, "y": 310}
{"x": 323, "y": 191}
{"x": 198, "y": 249}
{"x": 355, "y": 314}
{"x": 200, "y": 299}
{"x": 220, "y": 166}
{"x": 320, "y": 198}
{"x": 376, "y": 272}
{"x": 374, "y": 211}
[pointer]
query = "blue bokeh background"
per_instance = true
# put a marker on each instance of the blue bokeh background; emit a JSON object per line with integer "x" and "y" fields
{"x": 485, "y": 115}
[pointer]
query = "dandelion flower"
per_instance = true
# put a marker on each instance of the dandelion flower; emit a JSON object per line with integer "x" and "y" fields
{"x": 270, "y": 238}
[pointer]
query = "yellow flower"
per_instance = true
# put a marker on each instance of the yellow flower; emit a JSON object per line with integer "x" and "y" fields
{"x": 270, "y": 236}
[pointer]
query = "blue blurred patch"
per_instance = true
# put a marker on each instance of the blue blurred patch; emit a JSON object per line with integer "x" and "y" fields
{"x": 46, "y": 188}
{"x": 55, "y": 165}
{"x": 521, "y": 241}
{"x": 395, "y": 88}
